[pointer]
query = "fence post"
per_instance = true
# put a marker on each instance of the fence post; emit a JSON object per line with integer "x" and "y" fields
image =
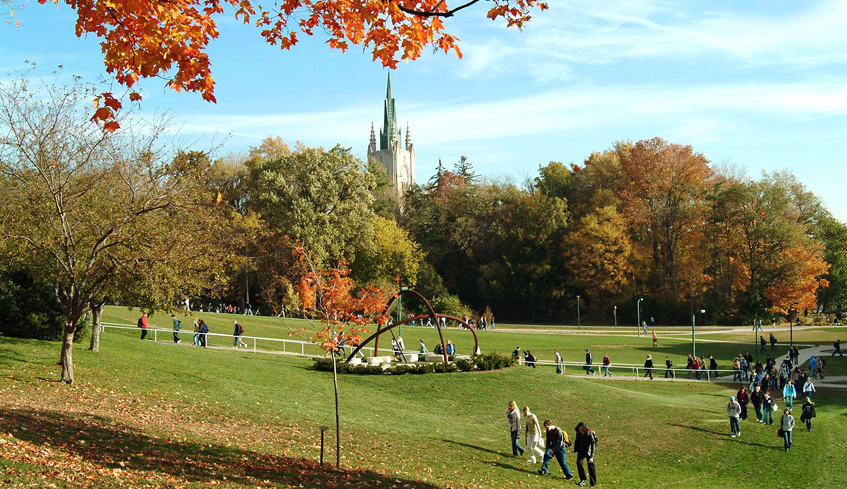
{"x": 254, "y": 344}
{"x": 302, "y": 348}
{"x": 154, "y": 336}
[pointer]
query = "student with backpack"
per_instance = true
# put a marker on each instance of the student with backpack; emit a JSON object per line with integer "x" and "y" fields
{"x": 237, "y": 332}
{"x": 203, "y": 329}
{"x": 142, "y": 323}
{"x": 177, "y": 327}
{"x": 557, "y": 441}
{"x": 584, "y": 447}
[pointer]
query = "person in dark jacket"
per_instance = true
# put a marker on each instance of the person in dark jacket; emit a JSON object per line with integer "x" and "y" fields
{"x": 555, "y": 445}
{"x": 713, "y": 367}
{"x": 808, "y": 413}
{"x": 757, "y": 398}
{"x": 763, "y": 345}
{"x": 668, "y": 371}
{"x": 589, "y": 359}
{"x": 743, "y": 399}
{"x": 584, "y": 446}
{"x": 648, "y": 367}
{"x": 837, "y": 346}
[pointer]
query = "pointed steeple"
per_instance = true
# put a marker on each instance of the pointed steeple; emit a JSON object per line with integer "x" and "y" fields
{"x": 389, "y": 129}
{"x": 408, "y": 137}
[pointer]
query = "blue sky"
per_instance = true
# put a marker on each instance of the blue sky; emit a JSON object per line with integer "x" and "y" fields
{"x": 756, "y": 84}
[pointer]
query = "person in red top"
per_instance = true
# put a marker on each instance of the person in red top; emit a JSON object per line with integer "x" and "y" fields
{"x": 142, "y": 323}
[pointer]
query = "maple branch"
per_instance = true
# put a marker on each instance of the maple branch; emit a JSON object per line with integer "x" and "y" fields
{"x": 432, "y": 12}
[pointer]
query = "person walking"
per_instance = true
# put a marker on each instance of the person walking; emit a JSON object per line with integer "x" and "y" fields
{"x": 733, "y": 410}
{"x": 813, "y": 367}
{"x": 195, "y": 340}
{"x": 589, "y": 359}
{"x": 558, "y": 358}
{"x": 768, "y": 407}
{"x": 743, "y": 398}
{"x": 836, "y": 345}
{"x": 648, "y": 367}
{"x": 607, "y": 363}
{"x": 808, "y": 413}
{"x": 773, "y": 342}
{"x": 514, "y": 417}
{"x": 177, "y": 327}
{"x": 763, "y": 344}
{"x": 142, "y": 323}
{"x": 713, "y": 367}
{"x": 655, "y": 340}
{"x": 584, "y": 446}
{"x": 237, "y": 331}
{"x": 756, "y": 398}
{"x": 530, "y": 359}
{"x": 533, "y": 434}
{"x": 669, "y": 368}
{"x": 789, "y": 393}
{"x": 808, "y": 389}
{"x": 786, "y": 423}
{"x": 203, "y": 329}
{"x": 557, "y": 441}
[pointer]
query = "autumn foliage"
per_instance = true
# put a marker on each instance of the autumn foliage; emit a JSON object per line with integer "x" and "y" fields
{"x": 148, "y": 38}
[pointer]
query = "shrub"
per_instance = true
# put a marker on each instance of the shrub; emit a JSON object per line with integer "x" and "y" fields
{"x": 493, "y": 361}
{"x": 28, "y": 309}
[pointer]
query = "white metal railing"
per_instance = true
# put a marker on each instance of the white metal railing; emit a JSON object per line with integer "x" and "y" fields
{"x": 291, "y": 347}
{"x": 637, "y": 369}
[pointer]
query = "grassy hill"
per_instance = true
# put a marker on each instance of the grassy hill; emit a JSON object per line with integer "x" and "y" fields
{"x": 162, "y": 415}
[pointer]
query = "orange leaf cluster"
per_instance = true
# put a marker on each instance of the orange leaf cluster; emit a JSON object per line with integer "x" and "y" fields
{"x": 800, "y": 282}
{"x": 148, "y": 38}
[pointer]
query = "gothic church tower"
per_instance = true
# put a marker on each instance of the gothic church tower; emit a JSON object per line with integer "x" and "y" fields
{"x": 399, "y": 160}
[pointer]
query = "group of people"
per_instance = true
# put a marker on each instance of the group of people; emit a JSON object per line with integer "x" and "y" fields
{"x": 765, "y": 406}
{"x": 554, "y": 444}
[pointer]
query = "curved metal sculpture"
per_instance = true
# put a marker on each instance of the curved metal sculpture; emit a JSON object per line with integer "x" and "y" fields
{"x": 432, "y": 314}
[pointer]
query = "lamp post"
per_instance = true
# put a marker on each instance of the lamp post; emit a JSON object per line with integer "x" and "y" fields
{"x": 400, "y": 310}
{"x": 791, "y": 323}
{"x": 756, "y": 329}
{"x": 578, "y": 320}
{"x": 616, "y": 317}
{"x": 693, "y": 328}
{"x": 638, "y": 325}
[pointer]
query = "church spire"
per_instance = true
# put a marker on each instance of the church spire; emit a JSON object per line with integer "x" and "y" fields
{"x": 389, "y": 131}
{"x": 408, "y": 137}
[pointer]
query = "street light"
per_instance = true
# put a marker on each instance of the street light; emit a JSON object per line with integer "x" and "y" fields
{"x": 756, "y": 329}
{"x": 638, "y": 326}
{"x": 578, "y": 321}
{"x": 400, "y": 310}
{"x": 693, "y": 327}
{"x": 616, "y": 317}
{"x": 791, "y": 323}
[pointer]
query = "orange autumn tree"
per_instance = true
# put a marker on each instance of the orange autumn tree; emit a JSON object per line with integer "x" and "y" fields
{"x": 151, "y": 38}
{"x": 344, "y": 316}
{"x": 800, "y": 279}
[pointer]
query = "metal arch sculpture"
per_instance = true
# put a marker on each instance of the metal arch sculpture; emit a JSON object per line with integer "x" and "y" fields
{"x": 432, "y": 314}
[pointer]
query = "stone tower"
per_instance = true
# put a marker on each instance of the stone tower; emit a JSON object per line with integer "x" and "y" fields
{"x": 398, "y": 159}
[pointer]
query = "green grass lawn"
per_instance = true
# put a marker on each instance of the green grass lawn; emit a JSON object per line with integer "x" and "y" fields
{"x": 160, "y": 415}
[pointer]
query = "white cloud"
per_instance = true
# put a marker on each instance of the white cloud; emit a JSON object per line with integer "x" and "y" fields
{"x": 591, "y": 33}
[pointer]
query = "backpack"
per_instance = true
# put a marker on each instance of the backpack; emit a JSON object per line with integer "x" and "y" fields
{"x": 565, "y": 441}
{"x": 139, "y": 322}
{"x": 240, "y": 329}
{"x": 178, "y": 325}
{"x": 204, "y": 328}
{"x": 593, "y": 435}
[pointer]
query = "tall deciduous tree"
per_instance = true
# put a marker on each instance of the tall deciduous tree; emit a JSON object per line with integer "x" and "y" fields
{"x": 319, "y": 198}
{"x": 666, "y": 200}
{"x": 88, "y": 210}
{"x": 600, "y": 254}
{"x": 142, "y": 39}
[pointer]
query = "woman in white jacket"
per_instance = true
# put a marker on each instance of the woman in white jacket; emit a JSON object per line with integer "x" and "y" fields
{"x": 533, "y": 434}
{"x": 787, "y": 425}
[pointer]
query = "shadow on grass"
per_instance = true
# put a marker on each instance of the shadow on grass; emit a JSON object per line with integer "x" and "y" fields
{"x": 530, "y": 469}
{"x": 719, "y": 434}
{"x": 8, "y": 357}
{"x": 113, "y": 444}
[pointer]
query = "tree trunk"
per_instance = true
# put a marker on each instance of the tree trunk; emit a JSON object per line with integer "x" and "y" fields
{"x": 96, "y": 313}
{"x": 337, "y": 417}
{"x": 67, "y": 352}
